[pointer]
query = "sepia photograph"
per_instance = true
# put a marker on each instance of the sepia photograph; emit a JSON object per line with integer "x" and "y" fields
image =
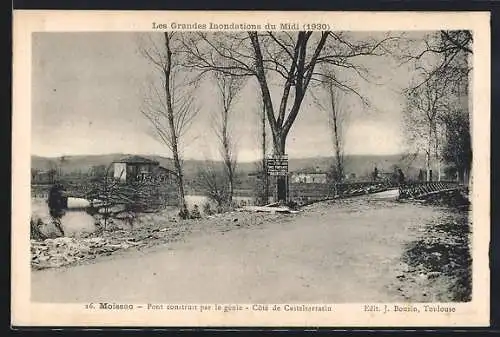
{"x": 251, "y": 167}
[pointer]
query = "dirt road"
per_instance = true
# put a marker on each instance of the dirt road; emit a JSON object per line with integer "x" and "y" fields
{"x": 331, "y": 252}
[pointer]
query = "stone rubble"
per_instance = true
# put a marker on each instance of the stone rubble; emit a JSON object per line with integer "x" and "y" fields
{"x": 61, "y": 251}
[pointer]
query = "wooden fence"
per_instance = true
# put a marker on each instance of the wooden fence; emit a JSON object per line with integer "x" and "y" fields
{"x": 304, "y": 192}
{"x": 415, "y": 190}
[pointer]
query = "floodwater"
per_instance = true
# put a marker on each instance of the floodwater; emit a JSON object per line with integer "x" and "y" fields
{"x": 74, "y": 221}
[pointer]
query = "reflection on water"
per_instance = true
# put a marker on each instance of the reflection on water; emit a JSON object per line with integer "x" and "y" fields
{"x": 77, "y": 220}
{"x": 73, "y": 221}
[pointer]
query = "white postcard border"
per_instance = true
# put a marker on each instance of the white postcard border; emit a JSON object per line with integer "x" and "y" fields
{"x": 26, "y": 313}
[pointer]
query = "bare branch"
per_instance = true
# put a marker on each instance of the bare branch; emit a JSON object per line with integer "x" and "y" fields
{"x": 168, "y": 105}
{"x": 229, "y": 87}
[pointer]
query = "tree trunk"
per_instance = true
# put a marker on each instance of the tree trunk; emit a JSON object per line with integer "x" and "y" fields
{"x": 282, "y": 189}
{"x": 335, "y": 121}
{"x": 299, "y": 75}
{"x": 226, "y": 147}
{"x": 427, "y": 166}
{"x": 180, "y": 179}
{"x": 230, "y": 187}
{"x": 428, "y": 155}
{"x": 436, "y": 153}
{"x": 228, "y": 154}
{"x": 279, "y": 140}
{"x": 170, "y": 116}
{"x": 281, "y": 181}
{"x": 265, "y": 177}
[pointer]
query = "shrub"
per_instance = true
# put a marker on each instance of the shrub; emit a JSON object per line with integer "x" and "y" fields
{"x": 36, "y": 233}
{"x": 184, "y": 213}
{"x": 195, "y": 213}
{"x": 219, "y": 209}
{"x": 207, "y": 209}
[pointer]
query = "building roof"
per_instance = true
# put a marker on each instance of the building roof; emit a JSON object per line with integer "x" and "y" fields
{"x": 136, "y": 160}
{"x": 164, "y": 169}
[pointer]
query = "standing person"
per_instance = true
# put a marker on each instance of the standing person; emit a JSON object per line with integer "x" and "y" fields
{"x": 375, "y": 174}
{"x": 420, "y": 175}
{"x": 57, "y": 205}
{"x": 401, "y": 177}
{"x": 401, "y": 181}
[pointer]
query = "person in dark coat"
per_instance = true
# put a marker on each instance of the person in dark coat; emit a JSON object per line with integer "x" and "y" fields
{"x": 375, "y": 174}
{"x": 401, "y": 177}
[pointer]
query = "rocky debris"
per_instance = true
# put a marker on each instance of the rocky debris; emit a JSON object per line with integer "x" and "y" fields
{"x": 438, "y": 261}
{"x": 57, "y": 252}
{"x": 36, "y": 233}
{"x": 43, "y": 228}
{"x": 451, "y": 198}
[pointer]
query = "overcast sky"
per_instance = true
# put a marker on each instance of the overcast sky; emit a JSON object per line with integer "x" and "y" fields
{"x": 87, "y": 96}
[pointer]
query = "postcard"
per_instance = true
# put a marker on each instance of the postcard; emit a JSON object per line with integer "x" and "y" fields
{"x": 262, "y": 169}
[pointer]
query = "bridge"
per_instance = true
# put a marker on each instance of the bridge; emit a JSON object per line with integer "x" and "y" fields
{"x": 420, "y": 190}
{"x": 387, "y": 189}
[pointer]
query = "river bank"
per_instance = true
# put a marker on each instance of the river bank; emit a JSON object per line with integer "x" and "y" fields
{"x": 148, "y": 230}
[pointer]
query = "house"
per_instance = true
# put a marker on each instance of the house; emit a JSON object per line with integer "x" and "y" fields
{"x": 43, "y": 177}
{"x": 163, "y": 174}
{"x": 309, "y": 177}
{"x": 134, "y": 168}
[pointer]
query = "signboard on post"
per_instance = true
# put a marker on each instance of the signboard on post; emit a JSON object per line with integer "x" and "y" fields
{"x": 277, "y": 165}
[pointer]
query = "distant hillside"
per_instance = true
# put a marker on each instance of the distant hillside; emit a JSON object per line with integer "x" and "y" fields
{"x": 84, "y": 163}
{"x": 358, "y": 164}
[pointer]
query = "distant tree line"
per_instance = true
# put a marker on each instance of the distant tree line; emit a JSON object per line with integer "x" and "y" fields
{"x": 437, "y": 114}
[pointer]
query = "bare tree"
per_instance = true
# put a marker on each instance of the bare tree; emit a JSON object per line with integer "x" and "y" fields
{"x": 287, "y": 57}
{"x": 261, "y": 188}
{"x": 53, "y": 172}
{"x": 441, "y": 54}
{"x": 213, "y": 182}
{"x": 169, "y": 103}
{"x": 62, "y": 161}
{"x": 458, "y": 148}
{"x": 441, "y": 86}
{"x": 114, "y": 200}
{"x": 331, "y": 101}
{"x": 426, "y": 106}
{"x": 229, "y": 87}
